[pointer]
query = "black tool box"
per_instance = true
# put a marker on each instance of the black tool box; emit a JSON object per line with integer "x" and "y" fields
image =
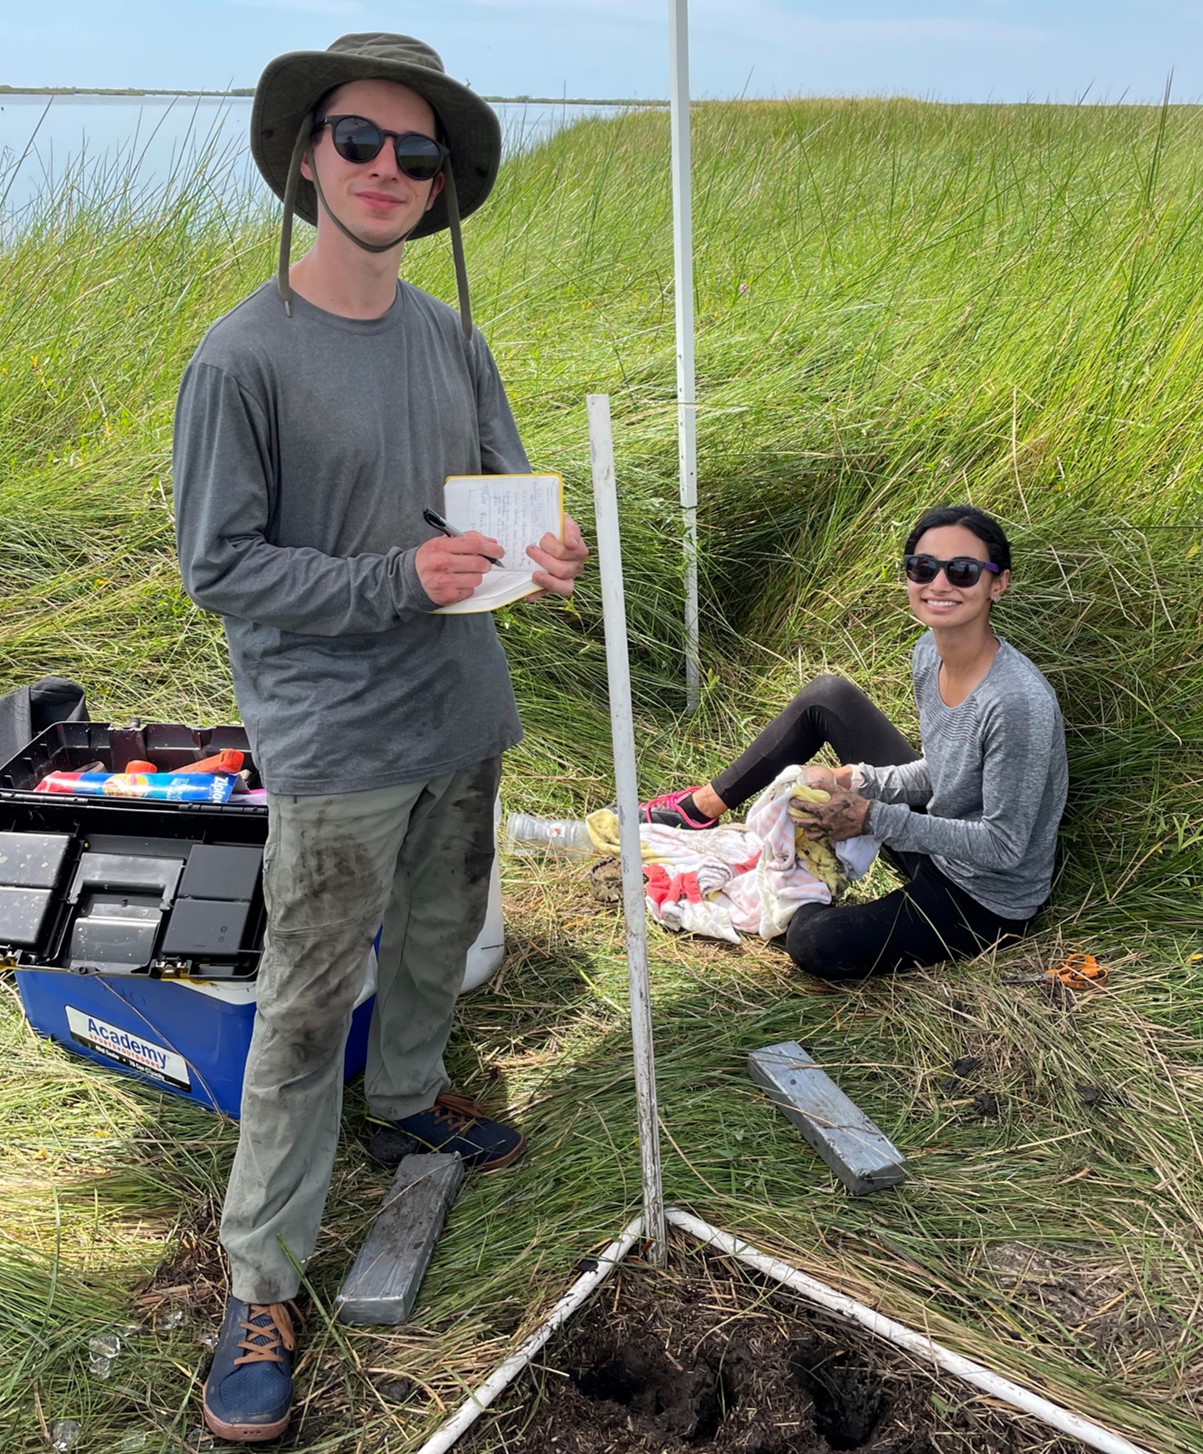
{"x": 135, "y": 927}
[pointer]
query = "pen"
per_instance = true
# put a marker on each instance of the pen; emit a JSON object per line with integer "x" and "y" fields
{"x": 432, "y": 518}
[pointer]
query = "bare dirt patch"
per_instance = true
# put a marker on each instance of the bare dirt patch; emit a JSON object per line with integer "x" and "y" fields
{"x": 708, "y": 1357}
{"x": 1096, "y": 1301}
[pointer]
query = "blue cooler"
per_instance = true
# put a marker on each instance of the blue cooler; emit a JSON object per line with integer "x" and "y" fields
{"x": 135, "y": 928}
{"x": 186, "y": 1036}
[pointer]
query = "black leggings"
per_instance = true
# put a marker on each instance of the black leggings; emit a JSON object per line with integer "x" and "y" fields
{"x": 926, "y": 921}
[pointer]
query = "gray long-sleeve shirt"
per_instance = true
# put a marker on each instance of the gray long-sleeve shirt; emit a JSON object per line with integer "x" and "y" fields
{"x": 992, "y": 779}
{"x": 305, "y": 450}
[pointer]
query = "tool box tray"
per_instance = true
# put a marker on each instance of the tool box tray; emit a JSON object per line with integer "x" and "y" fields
{"x": 126, "y": 885}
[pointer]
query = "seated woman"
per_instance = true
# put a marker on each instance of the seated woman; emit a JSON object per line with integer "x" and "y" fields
{"x": 971, "y": 823}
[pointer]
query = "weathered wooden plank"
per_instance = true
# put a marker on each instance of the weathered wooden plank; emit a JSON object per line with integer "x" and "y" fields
{"x": 382, "y": 1286}
{"x": 862, "y": 1157}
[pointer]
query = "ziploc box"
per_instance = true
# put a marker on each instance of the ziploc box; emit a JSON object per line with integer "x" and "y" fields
{"x": 135, "y": 927}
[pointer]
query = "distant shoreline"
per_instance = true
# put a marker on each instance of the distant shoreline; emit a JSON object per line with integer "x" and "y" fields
{"x": 246, "y": 92}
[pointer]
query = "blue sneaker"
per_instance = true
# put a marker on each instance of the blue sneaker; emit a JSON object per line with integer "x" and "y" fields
{"x": 248, "y": 1393}
{"x": 454, "y": 1124}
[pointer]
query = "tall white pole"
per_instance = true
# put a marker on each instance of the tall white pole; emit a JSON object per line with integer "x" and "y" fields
{"x": 622, "y": 730}
{"x": 687, "y": 417}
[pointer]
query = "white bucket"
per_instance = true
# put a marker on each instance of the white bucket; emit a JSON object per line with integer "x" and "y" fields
{"x": 486, "y": 954}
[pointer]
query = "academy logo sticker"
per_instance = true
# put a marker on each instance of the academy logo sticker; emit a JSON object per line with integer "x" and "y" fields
{"x": 135, "y": 1051}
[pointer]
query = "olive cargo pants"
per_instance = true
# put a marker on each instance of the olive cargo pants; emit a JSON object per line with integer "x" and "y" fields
{"x": 417, "y": 858}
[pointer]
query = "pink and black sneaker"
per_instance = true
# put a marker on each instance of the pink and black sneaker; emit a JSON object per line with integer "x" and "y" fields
{"x": 675, "y": 810}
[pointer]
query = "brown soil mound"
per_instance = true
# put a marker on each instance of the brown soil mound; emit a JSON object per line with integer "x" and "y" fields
{"x": 708, "y": 1358}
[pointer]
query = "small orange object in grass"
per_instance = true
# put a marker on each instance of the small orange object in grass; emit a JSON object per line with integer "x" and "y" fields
{"x": 1078, "y": 972}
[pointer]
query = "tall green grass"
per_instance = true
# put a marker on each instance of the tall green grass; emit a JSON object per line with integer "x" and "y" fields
{"x": 899, "y": 304}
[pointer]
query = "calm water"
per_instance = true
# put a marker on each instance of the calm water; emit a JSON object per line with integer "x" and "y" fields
{"x": 48, "y": 144}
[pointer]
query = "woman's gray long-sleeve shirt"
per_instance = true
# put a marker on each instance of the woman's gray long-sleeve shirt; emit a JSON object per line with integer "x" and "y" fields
{"x": 305, "y": 450}
{"x": 992, "y": 780}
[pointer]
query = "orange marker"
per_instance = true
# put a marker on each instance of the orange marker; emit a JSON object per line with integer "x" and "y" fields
{"x": 229, "y": 759}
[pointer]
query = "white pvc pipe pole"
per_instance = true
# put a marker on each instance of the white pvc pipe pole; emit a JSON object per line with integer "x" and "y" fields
{"x": 482, "y": 1396}
{"x": 687, "y": 417}
{"x": 994, "y": 1384}
{"x": 622, "y": 730}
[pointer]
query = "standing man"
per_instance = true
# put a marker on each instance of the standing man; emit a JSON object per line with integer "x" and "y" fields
{"x": 315, "y": 423}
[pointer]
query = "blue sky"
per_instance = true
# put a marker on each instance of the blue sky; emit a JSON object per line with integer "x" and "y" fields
{"x": 970, "y": 50}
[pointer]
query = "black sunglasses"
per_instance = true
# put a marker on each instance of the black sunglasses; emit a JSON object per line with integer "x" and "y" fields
{"x": 962, "y": 571}
{"x": 356, "y": 139}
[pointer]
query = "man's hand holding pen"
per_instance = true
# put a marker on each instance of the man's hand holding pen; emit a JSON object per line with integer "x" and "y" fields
{"x": 451, "y": 566}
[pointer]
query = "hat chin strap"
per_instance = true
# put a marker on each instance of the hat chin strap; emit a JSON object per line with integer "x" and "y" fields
{"x": 342, "y": 226}
{"x": 457, "y": 251}
{"x": 299, "y": 148}
{"x": 301, "y": 151}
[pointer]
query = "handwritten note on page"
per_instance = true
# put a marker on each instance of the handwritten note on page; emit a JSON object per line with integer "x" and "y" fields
{"x": 517, "y": 511}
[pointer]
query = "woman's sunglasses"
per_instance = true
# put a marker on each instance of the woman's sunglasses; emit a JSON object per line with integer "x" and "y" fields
{"x": 356, "y": 139}
{"x": 962, "y": 571}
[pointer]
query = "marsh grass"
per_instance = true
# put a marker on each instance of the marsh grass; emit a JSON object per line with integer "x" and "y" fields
{"x": 898, "y": 304}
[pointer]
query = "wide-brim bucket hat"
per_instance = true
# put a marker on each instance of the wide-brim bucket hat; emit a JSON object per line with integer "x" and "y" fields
{"x": 291, "y": 86}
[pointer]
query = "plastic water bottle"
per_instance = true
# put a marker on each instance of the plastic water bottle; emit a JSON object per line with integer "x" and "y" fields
{"x": 562, "y": 836}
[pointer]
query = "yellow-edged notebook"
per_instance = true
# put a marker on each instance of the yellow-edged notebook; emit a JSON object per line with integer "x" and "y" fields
{"x": 517, "y": 511}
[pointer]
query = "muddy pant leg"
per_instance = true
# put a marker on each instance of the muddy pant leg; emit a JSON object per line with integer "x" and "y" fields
{"x": 927, "y": 921}
{"x": 327, "y": 872}
{"x": 437, "y": 908}
{"x": 828, "y": 710}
